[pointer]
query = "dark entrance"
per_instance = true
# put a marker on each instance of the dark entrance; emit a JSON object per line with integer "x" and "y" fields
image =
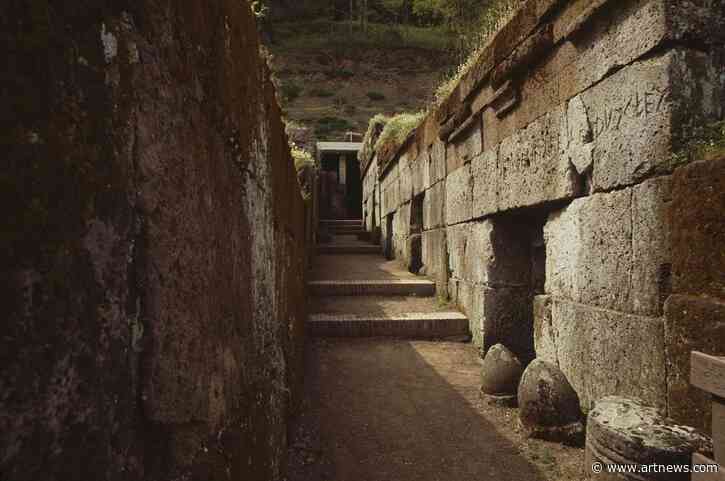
{"x": 341, "y": 194}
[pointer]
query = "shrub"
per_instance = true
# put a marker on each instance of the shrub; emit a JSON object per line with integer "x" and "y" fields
{"x": 301, "y": 157}
{"x": 320, "y": 92}
{"x": 345, "y": 73}
{"x": 375, "y": 96}
{"x": 326, "y": 126}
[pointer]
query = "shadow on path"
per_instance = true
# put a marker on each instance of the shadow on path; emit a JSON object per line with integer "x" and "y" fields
{"x": 390, "y": 410}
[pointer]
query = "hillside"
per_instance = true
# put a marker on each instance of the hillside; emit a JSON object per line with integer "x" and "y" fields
{"x": 332, "y": 81}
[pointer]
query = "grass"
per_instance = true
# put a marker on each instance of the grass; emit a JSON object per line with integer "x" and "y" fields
{"x": 398, "y": 128}
{"x": 375, "y": 126}
{"x": 472, "y": 44}
{"x": 375, "y": 96}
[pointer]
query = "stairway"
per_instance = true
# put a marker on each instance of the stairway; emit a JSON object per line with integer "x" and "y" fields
{"x": 359, "y": 293}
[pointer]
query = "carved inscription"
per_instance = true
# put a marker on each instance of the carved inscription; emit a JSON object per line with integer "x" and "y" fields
{"x": 641, "y": 103}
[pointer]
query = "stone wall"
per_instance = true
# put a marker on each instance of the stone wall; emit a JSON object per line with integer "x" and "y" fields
{"x": 549, "y": 180}
{"x": 153, "y": 245}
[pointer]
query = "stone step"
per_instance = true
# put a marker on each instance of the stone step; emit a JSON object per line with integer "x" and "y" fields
{"x": 414, "y": 325}
{"x": 387, "y": 287}
{"x": 348, "y": 249}
{"x": 347, "y": 229}
{"x": 341, "y": 222}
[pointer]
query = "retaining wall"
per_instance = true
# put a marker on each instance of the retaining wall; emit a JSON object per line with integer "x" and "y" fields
{"x": 153, "y": 261}
{"x": 555, "y": 199}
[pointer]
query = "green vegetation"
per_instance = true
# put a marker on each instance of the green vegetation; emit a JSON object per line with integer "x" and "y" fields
{"x": 343, "y": 36}
{"x": 301, "y": 157}
{"x": 375, "y": 127}
{"x": 398, "y": 128}
{"x": 375, "y": 96}
{"x": 472, "y": 42}
{"x": 706, "y": 143}
{"x": 327, "y": 126}
{"x": 290, "y": 90}
{"x": 319, "y": 92}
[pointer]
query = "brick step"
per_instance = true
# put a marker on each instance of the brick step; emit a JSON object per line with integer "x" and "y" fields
{"x": 395, "y": 287}
{"x": 348, "y": 249}
{"x": 415, "y": 325}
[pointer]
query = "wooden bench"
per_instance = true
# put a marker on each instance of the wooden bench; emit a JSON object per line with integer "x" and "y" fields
{"x": 708, "y": 373}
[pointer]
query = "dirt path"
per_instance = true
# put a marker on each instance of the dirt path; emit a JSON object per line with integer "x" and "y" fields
{"x": 392, "y": 410}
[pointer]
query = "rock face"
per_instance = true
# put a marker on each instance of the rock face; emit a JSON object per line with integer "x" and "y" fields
{"x": 153, "y": 275}
{"x": 626, "y": 431}
{"x": 558, "y": 212}
{"x": 500, "y": 374}
{"x": 548, "y": 405}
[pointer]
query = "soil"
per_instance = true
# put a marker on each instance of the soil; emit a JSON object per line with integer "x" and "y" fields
{"x": 405, "y": 79}
{"x": 381, "y": 409}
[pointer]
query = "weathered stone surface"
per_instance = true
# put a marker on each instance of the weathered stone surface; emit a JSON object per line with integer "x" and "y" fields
{"x": 466, "y": 145}
{"x": 576, "y": 143}
{"x": 698, "y": 226}
{"x": 496, "y": 254}
{"x": 507, "y": 319}
{"x": 544, "y": 333}
{"x": 420, "y": 174}
{"x": 401, "y": 230}
{"x": 406, "y": 185}
{"x": 651, "y": 254}
{"x": 501, "y": 371}
{"x": 485, "y": 183}
{"x": 390, "y": 196}
{"x": 437, "y": 162}
{"x": 627, "y": 431}
{"x": 456, "y": 239}
{"x": 548, "y": 406}
{"x": 691, "y": 324}
{"x": 593, "y": 344}
{"x": 153, "y": 276}
{"x": 459, "y": 195}
{"x": 530, "y": 170}
{"x": 433, "y": 207}
{"x": 640, "y": 114}
{"x": 435, "y": 259}
{"x": 612, "y": 250}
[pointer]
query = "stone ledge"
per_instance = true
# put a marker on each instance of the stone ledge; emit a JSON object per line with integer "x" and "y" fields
{"x": 411, "y": 325}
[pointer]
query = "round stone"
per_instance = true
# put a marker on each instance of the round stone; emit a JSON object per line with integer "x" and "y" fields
{"x": 501, "y": 372}
{"x": 548, "y": 405}
{"x": 626, "y": 431}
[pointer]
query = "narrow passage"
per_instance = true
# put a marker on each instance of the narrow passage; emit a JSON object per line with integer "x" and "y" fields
{"x": 388, "y": 396}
